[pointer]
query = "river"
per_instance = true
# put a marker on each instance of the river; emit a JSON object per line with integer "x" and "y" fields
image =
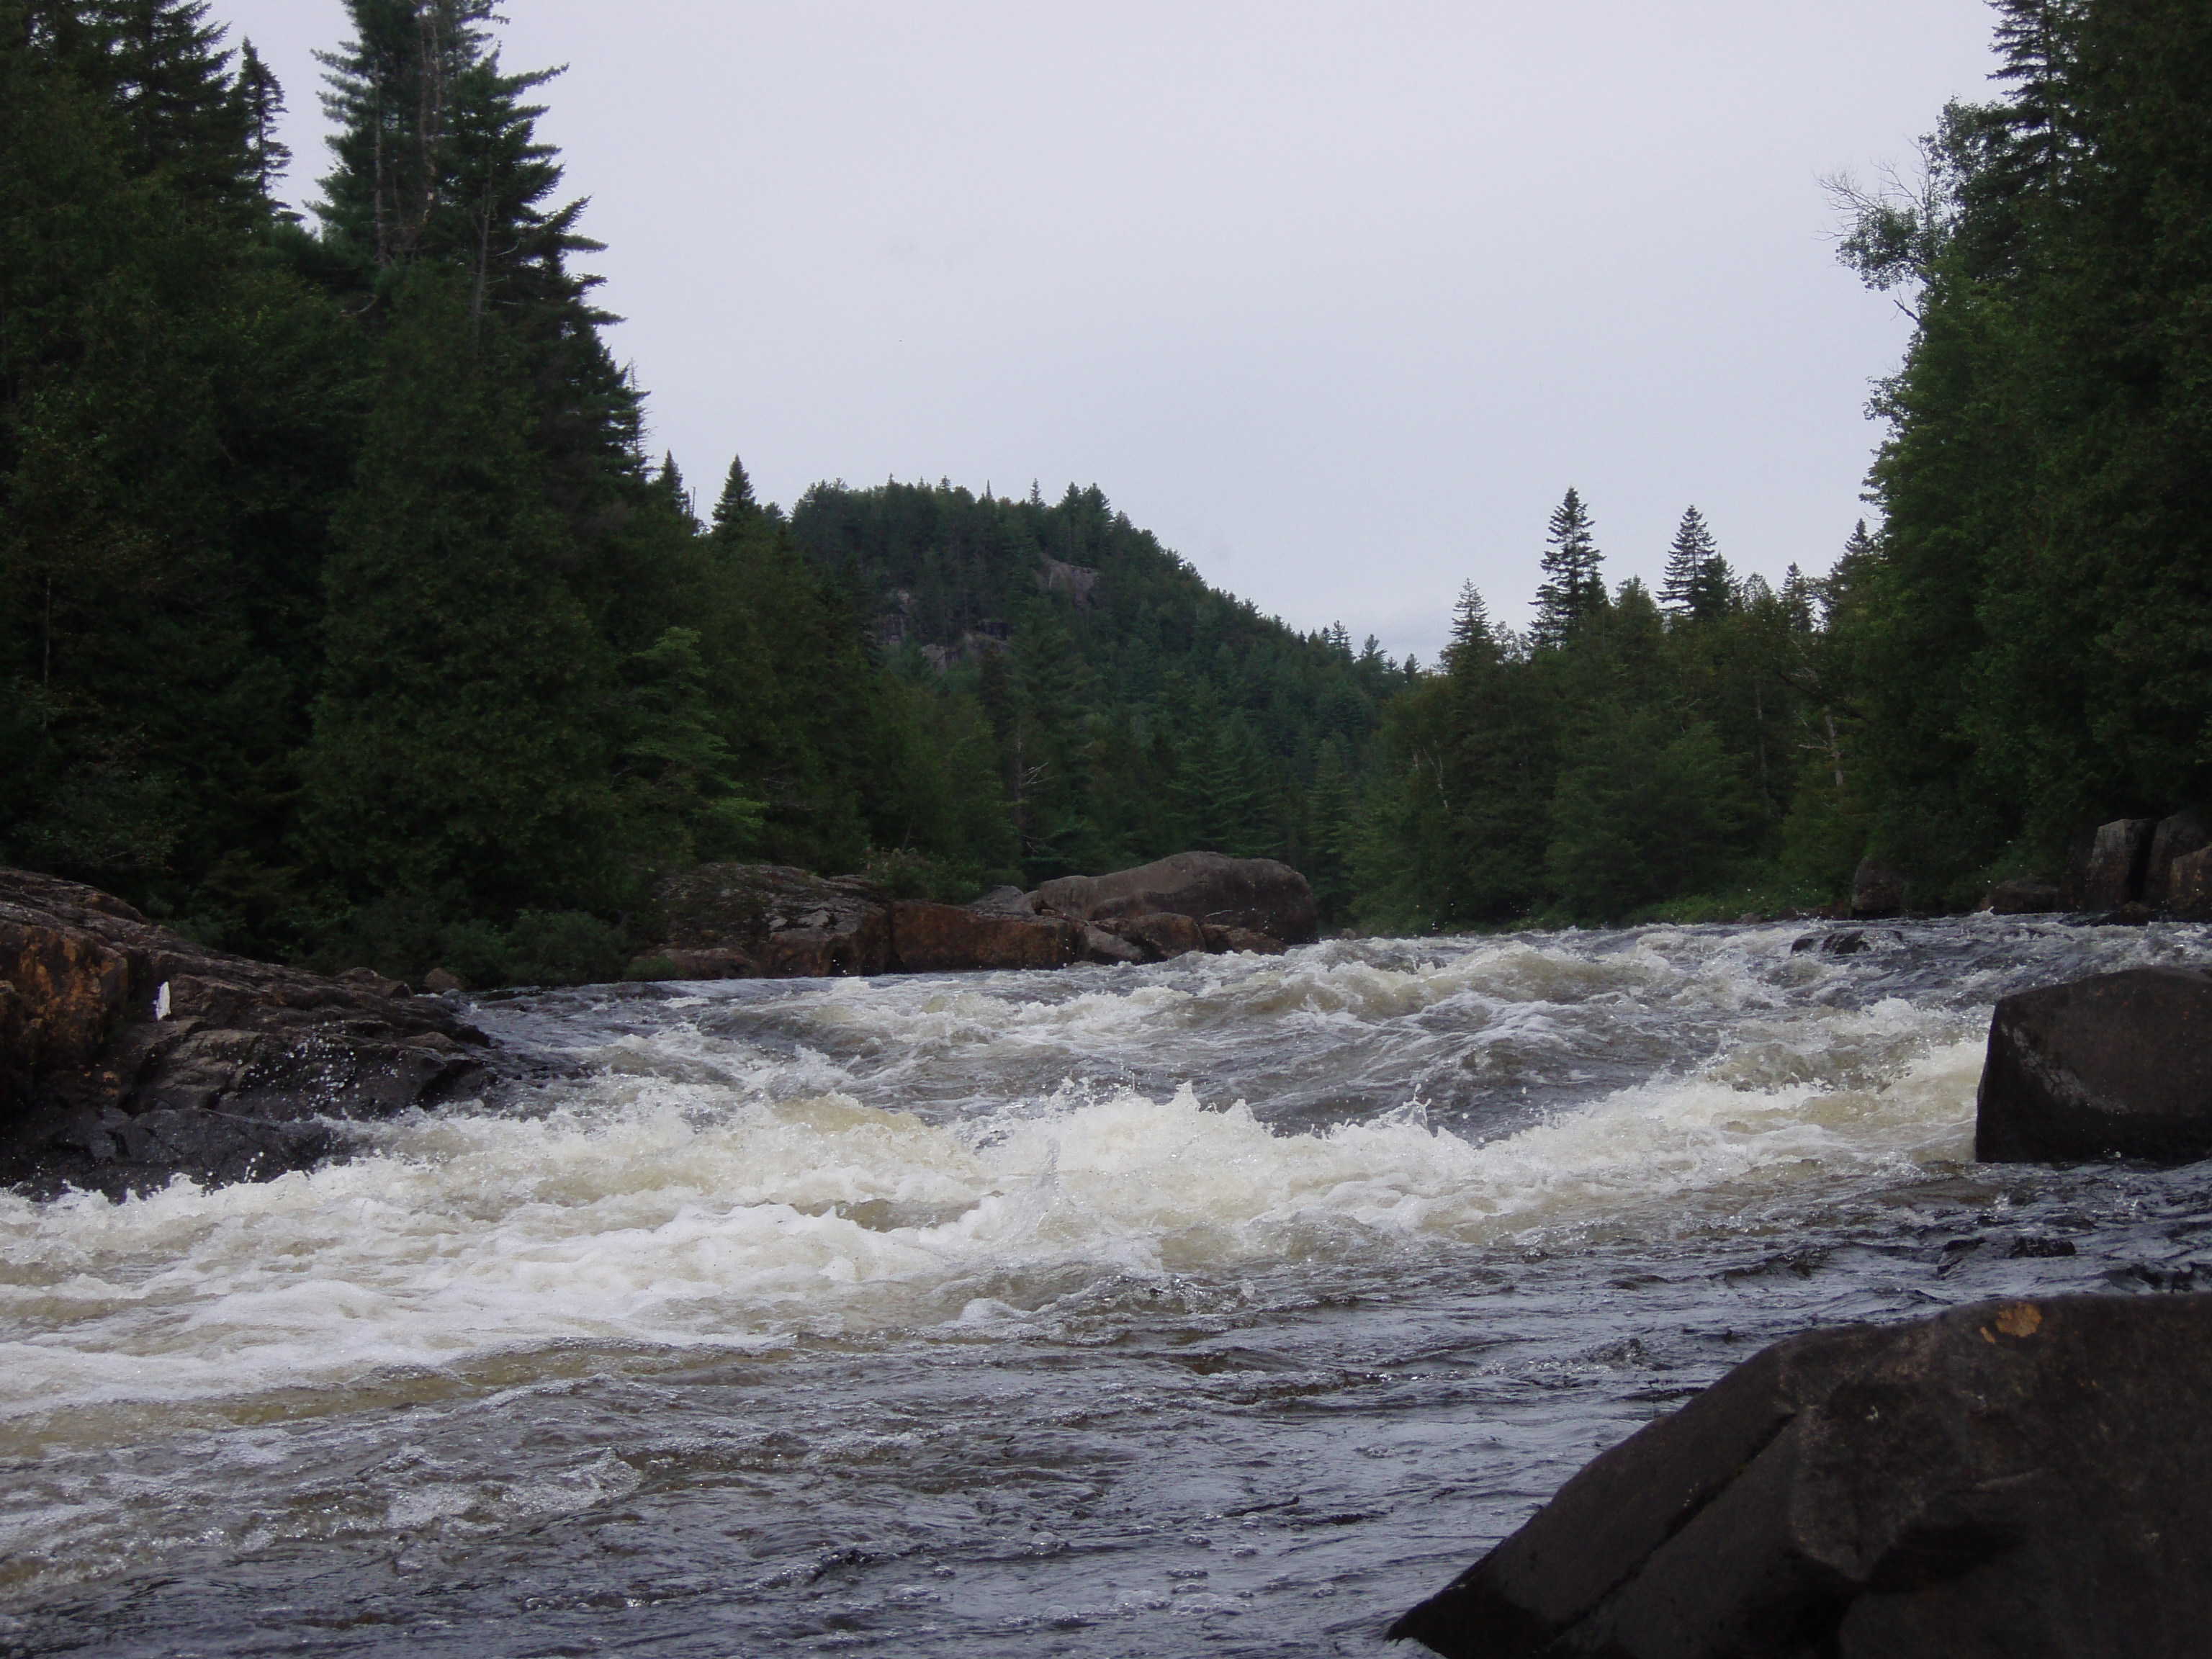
{"x": 1225, "y": 1307}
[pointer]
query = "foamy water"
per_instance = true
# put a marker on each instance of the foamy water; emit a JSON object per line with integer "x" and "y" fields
{"x": 993, "y": 1292}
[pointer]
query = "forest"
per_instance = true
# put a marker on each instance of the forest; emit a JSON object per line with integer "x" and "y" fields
{"x": 346, "y": 617}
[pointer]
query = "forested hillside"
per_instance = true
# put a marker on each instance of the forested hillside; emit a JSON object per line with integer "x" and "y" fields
{"x": 345, "y": 616}
{"x": 343, "y": 613}
{"x": 2022, "y": 649}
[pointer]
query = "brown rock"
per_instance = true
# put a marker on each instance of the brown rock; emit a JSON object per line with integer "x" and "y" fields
{"x": 2174, "y": 839}
{"x": 369, "y": 980}
{"x": 790, "y": 924}
{"x": 1110, "y": 949}
{"x": 1224, "y": 941}
{"x": 440, "y": 982}
{"x": 934, "y": 938}
{"x": 1259, "y": 893}
{"x": 1161, "y": 935}
{"x": 129, "y": 1054}
{"x": 2119, "y": 1063}
{"x": 2009, "y": 1478}
{"x": 695, "y": 964}
{"x": 2119, "y": 860}
{"x": 2189, "y": 886}
{"x": 1877, "y": 891}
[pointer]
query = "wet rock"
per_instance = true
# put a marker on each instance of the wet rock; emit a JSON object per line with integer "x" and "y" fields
{"x": 2189, "y": 886}
{"x": 440, "y": 982}
{"x": 694, "y": 965}
{"x": 1258, "y": 894}
{"x": 1005, "y": 902}
{"x": 1161, "y": 935}
{"x": 930, "y": 939}
{"x": 2025, "y": 898}
{"x": 1850, "y": 942}
{"x": 2120, "y": 859}
{"x": 1911, "y": 1491}
{"x": 2119, "y": 1064}
{"x": 1228, "y": 941}
{"x": 2174, "y": 839}
{"x": 2133, "y": 915}
{"x": 790, "y": 924}
{"x": 129, "y": 1054}
{"x": 1877, "y": 890}
{"x": 1110, "y": 949}
{"x": 369, "y": 980}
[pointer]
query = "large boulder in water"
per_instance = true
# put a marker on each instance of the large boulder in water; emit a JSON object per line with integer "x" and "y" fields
{"x": 2175, "y": 839}
{"x": 1877, "y": 890}
{"x": 2003, "y": 1480}
{"x": 2189, "y": 886}
{"x": 930, "y": 939}
{"x": 2117, "y": 1064}
{"x": 2119, "y": 863}
{"x": 129, "y": 1054}
{"x": 1210, "y": 888}
{"x": 789, "y": 924}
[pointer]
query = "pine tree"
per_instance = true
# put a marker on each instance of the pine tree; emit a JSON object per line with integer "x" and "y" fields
{"x": 1472, "y": 648}
{"x": 1573, "y": 589}
{"x": 261, "y": 97}
{"x": 1697, "y": 586}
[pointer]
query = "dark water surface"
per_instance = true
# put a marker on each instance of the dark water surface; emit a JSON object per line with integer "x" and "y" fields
{"x": 1225, "y": 1307}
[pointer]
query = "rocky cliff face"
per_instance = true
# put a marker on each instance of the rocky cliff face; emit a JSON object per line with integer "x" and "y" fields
{"x": 129, "y": 1054}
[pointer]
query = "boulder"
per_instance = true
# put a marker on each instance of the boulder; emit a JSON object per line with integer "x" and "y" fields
{"x": 129, "y": 1054}
{"x": 1005, "y": 902}
{"x": 1877, "y": 890}
{"x": 695, "y": 964}
{"x": 1225, "y": 941}
{"x": 2119, "y": 860}
{"x": 2117, "y": 1064}
{"x": 2005, "y": 1478}
{"x": 1161, "y": 935}
{"x": 1258, "y": 894}
{"x": 2189, "y": 886}
{"x": 2025, "y": 898}
{"x": 934, "y": 938}
{"x": 2174, "y": 839}
{"x": 791, "y": 925}
{"x": 1110, "y": 949}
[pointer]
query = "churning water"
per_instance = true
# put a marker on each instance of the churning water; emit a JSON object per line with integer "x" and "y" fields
{"x": 1224, "y": 1307}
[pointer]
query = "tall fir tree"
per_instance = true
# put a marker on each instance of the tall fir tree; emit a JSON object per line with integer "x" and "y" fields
{"x": 1698, "y": 586}
{"x": 1573, "y": 589}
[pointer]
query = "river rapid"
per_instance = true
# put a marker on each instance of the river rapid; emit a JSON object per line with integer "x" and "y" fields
{"x": 1227, "y": 1306}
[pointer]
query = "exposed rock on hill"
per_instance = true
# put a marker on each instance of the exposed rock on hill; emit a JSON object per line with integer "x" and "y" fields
{"x": 129, "y": 1054}
{"x": 2005, "y": 1478}
{"x": 2117, "y": 1064}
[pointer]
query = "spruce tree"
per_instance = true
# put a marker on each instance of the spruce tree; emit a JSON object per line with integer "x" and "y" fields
{"x": 261, "y": 97}
{"x": 1697, "y": 586}
{"x": 1573, "y": 589}
{"x": 1472, "y": 648}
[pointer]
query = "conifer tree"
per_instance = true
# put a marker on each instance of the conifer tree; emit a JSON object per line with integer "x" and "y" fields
{"x": 1472, "y": 648}
{"x": 261, "y": 97}
{"x": 1698, "y": 586}
{"x": 1573, "y": 589}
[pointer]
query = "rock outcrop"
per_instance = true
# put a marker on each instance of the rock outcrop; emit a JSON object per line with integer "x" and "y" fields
{"x": 2175, "y": 839}
{"x": 2189, "y": 887}
{"x": 783, "y": 923}
{"x": 935, "y": 939}
{"x": 129, "y": 1054}
{"x": 2118, "y": 862}
{"x": 1877, "y": 891}
{"x": 762, "y": 920}
{"x": 1258, "y": 895}
{"x": 2119, "y": 1064}
{"x": 2005, "y": 1478}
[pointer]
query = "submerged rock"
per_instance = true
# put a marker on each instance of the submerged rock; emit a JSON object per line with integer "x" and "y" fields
{"x": 1258, "y": 895}
{"x": 2117, "y": 1064}
{"x": 129, "y": 1054}
{"x": 2025, "y": 898}
{"x": 2005, "y": 1478}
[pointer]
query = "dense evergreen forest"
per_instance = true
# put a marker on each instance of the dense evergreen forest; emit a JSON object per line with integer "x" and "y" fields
{"x": 345, "y": 617}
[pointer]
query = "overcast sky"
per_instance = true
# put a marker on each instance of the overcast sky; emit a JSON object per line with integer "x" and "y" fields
{"x": 1336, "y": 298}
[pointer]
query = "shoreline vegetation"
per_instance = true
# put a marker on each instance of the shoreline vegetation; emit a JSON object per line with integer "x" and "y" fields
{"x": 346, "y": 618}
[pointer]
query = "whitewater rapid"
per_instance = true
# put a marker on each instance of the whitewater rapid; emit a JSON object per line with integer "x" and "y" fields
{"x": 894, "y": 1219}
